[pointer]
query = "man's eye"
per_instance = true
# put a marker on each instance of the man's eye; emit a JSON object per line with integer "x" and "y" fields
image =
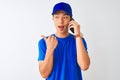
{"x": 65, "y": 17}
{"x": 56, "y": 17}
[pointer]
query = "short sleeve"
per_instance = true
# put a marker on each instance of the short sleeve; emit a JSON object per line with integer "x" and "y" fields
{"x": 41, "y": 49}
{"x": 85, "y": 44}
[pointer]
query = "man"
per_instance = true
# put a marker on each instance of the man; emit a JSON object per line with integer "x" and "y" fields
{"x": 63, "y": 55}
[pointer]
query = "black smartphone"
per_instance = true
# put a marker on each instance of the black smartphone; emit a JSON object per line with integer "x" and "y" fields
{"x": 72, "y": 29}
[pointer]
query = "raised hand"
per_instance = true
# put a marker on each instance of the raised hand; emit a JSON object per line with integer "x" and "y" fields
{"x": 51, "y": 42}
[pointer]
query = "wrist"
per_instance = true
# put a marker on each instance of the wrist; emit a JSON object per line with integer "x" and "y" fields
{"x": 50, "y": 50}
{"x": 49, "y": 53}
{"x": 78, "y": 35}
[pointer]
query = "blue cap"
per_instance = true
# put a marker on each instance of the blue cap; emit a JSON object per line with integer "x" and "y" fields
{"x": 62, "y": 6}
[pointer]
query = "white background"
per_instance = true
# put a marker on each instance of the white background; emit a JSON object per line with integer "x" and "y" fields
{"x": 22, "y": 22}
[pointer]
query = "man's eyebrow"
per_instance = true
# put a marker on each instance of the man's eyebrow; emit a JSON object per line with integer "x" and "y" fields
{"x": 65, "y": 14}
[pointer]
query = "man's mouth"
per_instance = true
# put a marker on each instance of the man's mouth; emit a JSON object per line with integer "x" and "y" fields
{"x": 61, "y": 27}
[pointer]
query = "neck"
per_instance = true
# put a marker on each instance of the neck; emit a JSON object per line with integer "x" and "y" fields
{"x": 62, "y": 35}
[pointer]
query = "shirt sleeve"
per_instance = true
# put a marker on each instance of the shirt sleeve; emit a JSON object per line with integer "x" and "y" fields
{"x": 41, "y": 49}
{"x": 85, "y": 44}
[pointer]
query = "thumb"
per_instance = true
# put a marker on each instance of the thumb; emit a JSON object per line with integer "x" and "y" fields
{"x": 44, "y": 37}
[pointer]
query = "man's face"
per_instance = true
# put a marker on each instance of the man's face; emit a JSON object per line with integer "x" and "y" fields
{"x": 61, "y": 21}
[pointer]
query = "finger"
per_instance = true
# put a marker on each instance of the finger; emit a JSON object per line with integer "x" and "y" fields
{"x": 49, "y": 37}
{"x": 73, "y": 22}
{"x": 56, "y": 39}
{"x": 69, "y": 25}
{"x": 44, "y": 37}
{"x": 52, "y": 38}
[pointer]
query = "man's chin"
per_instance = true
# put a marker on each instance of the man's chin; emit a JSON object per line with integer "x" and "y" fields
{"x": 62, "y": 32}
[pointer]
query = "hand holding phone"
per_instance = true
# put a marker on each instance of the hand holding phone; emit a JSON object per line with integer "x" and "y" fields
{"x": 75, "y": 27}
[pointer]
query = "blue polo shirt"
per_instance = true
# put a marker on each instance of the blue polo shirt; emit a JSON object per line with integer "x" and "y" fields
{"x": 65, "y": 66}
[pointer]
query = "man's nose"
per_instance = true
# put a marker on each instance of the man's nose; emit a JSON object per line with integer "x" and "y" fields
{"x": 61, "y": 20}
